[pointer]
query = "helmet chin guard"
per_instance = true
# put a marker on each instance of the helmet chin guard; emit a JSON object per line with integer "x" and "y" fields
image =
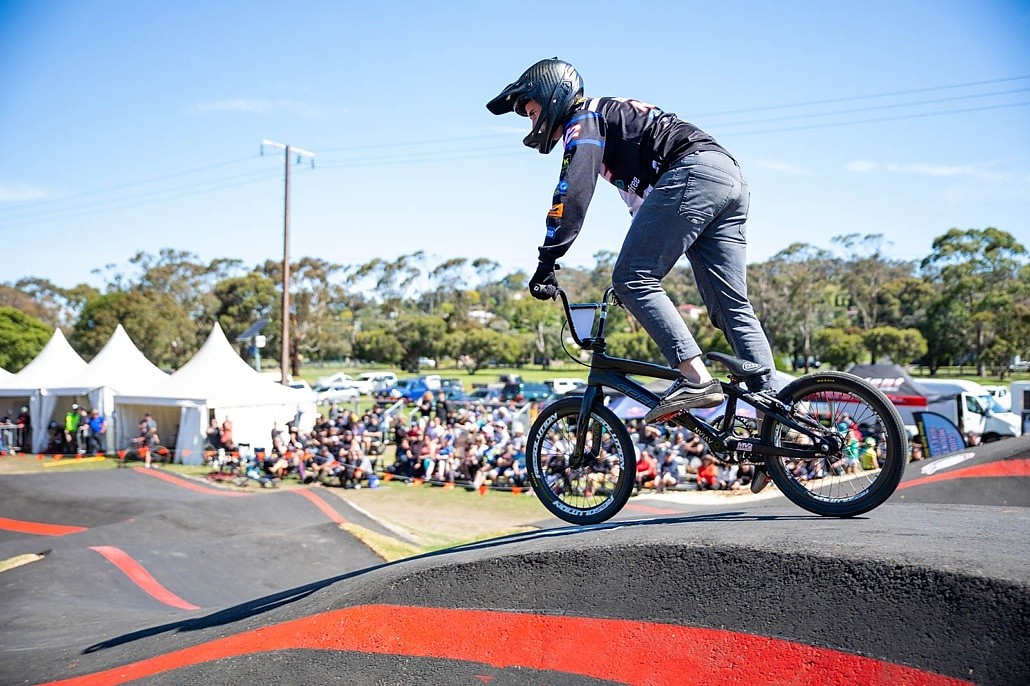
{"x": 555, "y": 85}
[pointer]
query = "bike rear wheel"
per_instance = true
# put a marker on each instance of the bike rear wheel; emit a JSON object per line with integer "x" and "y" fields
{"x": 866, "y": 468}
{"x": 581, "y": 489}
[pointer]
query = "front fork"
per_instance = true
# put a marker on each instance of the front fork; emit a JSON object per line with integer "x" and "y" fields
{"x": 590, "y": 396}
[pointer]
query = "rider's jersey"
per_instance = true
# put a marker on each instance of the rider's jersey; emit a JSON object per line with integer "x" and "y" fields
{"x": 629, "y": 143}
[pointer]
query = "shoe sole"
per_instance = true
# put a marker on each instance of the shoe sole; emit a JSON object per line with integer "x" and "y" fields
{"x": 700, "y": 403}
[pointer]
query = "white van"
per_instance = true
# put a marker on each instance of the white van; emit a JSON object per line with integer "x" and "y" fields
{"x": 980, "y": 412}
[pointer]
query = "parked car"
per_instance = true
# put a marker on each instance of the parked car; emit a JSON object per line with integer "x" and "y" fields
{"x": 339, "y": 392}
{"x": 302, "y": 385}
{"x": 412, "y": 389}
{"x": 561, "y": 386}
{"x": 370, "y": 383}
{"x": 339, "y": 378}
{"x": 487, "y": 396}
{"x": 525, "y": 391}
{"x": 452, "y": 385}
{"x": 1001, "y": 396}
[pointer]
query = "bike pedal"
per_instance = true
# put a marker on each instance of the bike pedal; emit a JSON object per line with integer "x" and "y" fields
{"x": 759, "y": 481}
{"x": 662, "y": 419}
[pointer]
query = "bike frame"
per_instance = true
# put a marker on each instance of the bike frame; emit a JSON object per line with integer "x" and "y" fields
{"x": 614, "y": 372}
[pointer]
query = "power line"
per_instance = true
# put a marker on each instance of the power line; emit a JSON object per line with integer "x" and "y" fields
{"x": 409, "y": 144}
{"x": 935, "y": 101}
{"x": 132, "y": 201}
{"x": 41, "y": 211}
{"x": 848, "y": 98}
{"x": 881, "y": 119}
{"x": 111, "y": 189}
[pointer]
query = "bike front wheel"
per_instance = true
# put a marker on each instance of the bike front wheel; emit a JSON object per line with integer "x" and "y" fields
{"x": 587, "y": 488}
{"x": 865, "y": 468}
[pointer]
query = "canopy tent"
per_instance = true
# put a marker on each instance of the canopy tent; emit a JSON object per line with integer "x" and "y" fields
{"x": 119, "y": 367}
{"x": 895, "y": 383}
{"x": 53, "y": 366}
{"x": 217, "y": 382}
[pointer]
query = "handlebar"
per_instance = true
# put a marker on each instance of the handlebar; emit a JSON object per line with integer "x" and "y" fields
{"x": 588, "y": 328}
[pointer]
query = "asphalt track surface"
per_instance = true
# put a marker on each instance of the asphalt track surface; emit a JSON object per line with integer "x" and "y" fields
{"x": 148, "y": 578}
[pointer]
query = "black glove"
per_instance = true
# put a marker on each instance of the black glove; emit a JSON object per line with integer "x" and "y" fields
{"x": 544, "y": 284}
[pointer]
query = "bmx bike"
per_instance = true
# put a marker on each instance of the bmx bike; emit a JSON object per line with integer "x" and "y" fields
{"x": 582, "y": 460}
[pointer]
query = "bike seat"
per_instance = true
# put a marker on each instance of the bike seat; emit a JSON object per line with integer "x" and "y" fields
{"x": 744, "y": 369}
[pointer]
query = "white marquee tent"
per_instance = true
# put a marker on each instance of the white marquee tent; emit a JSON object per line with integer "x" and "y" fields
{"x": 119, "y": 368}
{"x": 216, "y": 382}
{"x": 52, "y": 367}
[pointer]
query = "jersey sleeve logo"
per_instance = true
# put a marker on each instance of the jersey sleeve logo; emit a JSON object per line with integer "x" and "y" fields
{"x": 556, "y": 210}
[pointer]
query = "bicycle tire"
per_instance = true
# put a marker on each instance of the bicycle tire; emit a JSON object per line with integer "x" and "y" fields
{"x": 833, "y": 485}
{"x": 587, "y": 493}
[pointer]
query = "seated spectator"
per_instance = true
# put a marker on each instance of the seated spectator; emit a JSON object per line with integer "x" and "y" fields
{"x": 668, "y": 470}
{"x": 354, "y": 467}
{"x": 745, "y": 473}
{"x": 727, "y": 476}
{"x": 324, "y": 464}
{"x": 517, "y": 474}
{"x": 274, "y": 465}
{"x": 868, "y": 457}
{"x": 708, "y": 474}
{"x": 404, "y": 462}
{"x": 647, "y": 470}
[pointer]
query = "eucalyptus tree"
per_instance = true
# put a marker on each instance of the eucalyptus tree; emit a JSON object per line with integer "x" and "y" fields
{"x": 242, "y": 301}
{"x": 792, "y": 296}
{"x": 979, "y": 271}
{"x": 22, "y": 337}
{"x": 162, "y": 329}
{"x": 316, "y": 301}
{"x": 865, "y": 272}
{"x": 55, "y": 306}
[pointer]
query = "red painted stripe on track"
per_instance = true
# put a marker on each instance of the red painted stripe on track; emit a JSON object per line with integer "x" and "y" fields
{"x": 186, "y": 484}
{"x": 322, "y": 505}
{"x": 141, "y": 577}
{"x": 990, "y": 470}
{"x": 39, "y": 529}
{"x": 608, "y": 649}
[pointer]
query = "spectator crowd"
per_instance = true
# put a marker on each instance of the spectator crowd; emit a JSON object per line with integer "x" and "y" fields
{"x": 484, "y": 445}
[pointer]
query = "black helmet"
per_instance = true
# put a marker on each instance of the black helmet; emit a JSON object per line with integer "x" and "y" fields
{"x": 555, "y": 85}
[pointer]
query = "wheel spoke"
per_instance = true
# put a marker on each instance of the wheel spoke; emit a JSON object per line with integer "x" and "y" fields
{"x": 869, "y": 447}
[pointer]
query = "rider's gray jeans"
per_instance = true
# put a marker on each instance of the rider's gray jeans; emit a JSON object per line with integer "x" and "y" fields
{"x": 698, "y": 208}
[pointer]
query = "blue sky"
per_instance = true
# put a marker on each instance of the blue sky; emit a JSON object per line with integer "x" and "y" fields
{"x": 136, "y": 126}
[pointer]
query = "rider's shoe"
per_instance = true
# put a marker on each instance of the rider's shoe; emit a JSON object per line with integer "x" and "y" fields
{"x": 759, "y": 480}
{"x": 684, "y": 395}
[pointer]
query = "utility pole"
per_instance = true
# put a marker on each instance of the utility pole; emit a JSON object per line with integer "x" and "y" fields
{"x": 284, "y": 357}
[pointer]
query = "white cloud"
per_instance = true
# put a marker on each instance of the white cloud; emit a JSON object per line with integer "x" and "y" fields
{"x": 861, "y": 166}
{"x": 923, "y": 169}
{"x": 782, "y": 167}
{"x": 253, "y": 106}
{"x": 931, "y": 169}
{"x": 20, "y": 193}
{"x": 237, "y": 105}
